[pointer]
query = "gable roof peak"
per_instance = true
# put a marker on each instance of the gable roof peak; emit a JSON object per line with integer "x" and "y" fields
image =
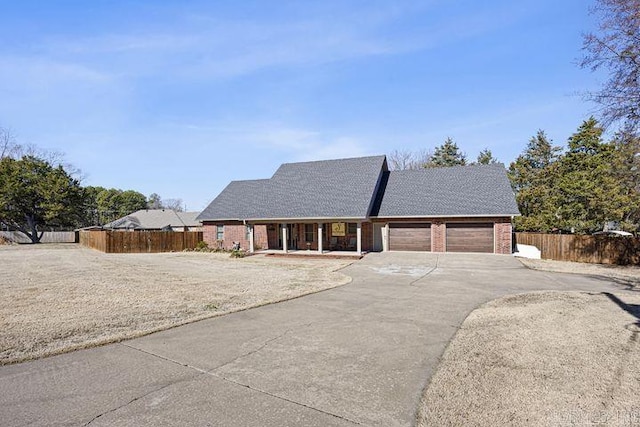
{"x": 378, "y": 156}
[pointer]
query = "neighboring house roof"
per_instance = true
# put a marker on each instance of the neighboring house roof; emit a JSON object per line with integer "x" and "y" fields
{"x": 362, "y": 187}
{"x": 189, "y": 218}
{"x": 343, "y": 188}
{"x": 154, "y": 219}
{"x": 478, "y": 190}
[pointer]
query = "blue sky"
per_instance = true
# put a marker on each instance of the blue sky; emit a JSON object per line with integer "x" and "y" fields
{"x": 181, "y": 97}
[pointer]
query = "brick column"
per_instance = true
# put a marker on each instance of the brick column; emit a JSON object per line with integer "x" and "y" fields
{"x": 503, "y": 237}
{"x": 438, "y": 237}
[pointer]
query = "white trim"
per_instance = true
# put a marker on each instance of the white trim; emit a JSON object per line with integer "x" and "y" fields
{"x": 385, "y": 238}
{"x": 495, "y": 239}
{"x": 285, "y": 238}
{"x": 252, "y": 244}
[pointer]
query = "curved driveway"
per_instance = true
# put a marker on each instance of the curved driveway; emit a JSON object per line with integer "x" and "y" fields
{"x": 360, "y": 354}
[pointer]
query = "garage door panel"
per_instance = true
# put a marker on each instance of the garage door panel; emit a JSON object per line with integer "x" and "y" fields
{"x": 476, "y": 237}
{"x": 410, "y": 237}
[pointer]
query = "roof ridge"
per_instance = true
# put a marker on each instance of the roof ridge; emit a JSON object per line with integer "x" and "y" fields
{"x": 492, "y": 165}
{"x": 334, "y": 160}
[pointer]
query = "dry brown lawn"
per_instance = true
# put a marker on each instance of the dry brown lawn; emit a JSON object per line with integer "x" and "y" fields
{"x": 626, "y": 273}
{"x": 541, "y": 359}
{"x": 56, "y": 298}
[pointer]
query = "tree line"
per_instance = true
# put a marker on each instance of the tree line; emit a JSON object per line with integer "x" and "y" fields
{"x": 447, "y": 154}
{"x": 38, "y": 189}
{"x": 580, "y": 189}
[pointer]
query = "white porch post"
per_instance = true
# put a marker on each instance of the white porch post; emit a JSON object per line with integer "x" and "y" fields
{"x": 385, "y": 238}
{"x": 320, "y": 237}
{"x": 284, "y": 238}
{"x": 252, "y": 242}
{"x": 359, "y": 238}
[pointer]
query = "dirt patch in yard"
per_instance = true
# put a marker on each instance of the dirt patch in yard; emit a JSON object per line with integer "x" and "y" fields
{"x": 56, "y": 298}
{"x": 541, "y": 359}
{"x": 627, "y": 274}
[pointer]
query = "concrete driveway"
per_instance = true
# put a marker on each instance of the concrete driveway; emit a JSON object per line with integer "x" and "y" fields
{"x": 360, "y": 354}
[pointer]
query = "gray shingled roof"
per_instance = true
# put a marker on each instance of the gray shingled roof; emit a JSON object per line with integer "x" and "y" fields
{"x": 154, "y": 219}
{"x": 189, "y": 218}
{"x": 343, "y": 188}
{"x": 479, "y": 190}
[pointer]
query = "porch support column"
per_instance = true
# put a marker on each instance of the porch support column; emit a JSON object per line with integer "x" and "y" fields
{"x": 320, "y": 237}
{"x": 252, "y": 241}
{"x": 359, "y": 238}
{"x": 385, "y": 238}
{"x": 284, "y": 238}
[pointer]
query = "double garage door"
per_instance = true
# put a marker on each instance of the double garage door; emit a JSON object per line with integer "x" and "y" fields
{"x": 460, "y": 237}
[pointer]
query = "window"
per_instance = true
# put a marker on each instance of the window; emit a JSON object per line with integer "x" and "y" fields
{"x": 352, "y": 228}
{"x": 220, "y": 232}
{"x": 309, "y": 232}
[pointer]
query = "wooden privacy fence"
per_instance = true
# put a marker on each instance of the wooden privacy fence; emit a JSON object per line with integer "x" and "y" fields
{"x": 592, "y": 249}
{"x": 140, "y": 241}
{"x": 47, "y": 237}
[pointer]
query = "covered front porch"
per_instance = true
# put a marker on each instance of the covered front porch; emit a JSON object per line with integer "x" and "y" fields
{"x": 330, "y": 237}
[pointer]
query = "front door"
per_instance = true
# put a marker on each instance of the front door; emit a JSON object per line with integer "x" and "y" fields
{"x": 377, "y": 237}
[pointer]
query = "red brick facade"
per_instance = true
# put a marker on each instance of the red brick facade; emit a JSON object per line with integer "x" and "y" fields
{"x": 267, "y": 236}
{"x": 234, "y": 232}
{"x": 438, "y": 236}
{"x": 503, "y": 236}
{"x": 237, "y": 232}
{"x": 502, "y": 231}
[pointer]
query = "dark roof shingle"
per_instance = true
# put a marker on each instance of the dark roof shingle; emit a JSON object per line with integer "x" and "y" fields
{"x": 478, "y": 190}
{"x": 342, "y": 188}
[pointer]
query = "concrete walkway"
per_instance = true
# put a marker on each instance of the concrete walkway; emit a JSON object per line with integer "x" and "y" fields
{"x": 360, "y": 354}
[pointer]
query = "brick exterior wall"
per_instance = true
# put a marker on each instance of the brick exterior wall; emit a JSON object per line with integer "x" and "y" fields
{"x": 438, "y": 236}
{"x": 502, "y": 231}
{"x": 234, "y": 232}
{"x": 503, "y": 234}
{"x": 209, "y": 234}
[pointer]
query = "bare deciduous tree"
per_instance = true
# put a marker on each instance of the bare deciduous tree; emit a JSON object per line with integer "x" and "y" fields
{"x": 8, "y": 145}
{"x": 616, "y": 48}
{"x": 408, "y": 160}
{"x": 174, "y": 204}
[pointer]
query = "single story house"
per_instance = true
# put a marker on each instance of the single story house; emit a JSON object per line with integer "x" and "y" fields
{"x": 157, "y": 219}
{"x": 357, "y": 204}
